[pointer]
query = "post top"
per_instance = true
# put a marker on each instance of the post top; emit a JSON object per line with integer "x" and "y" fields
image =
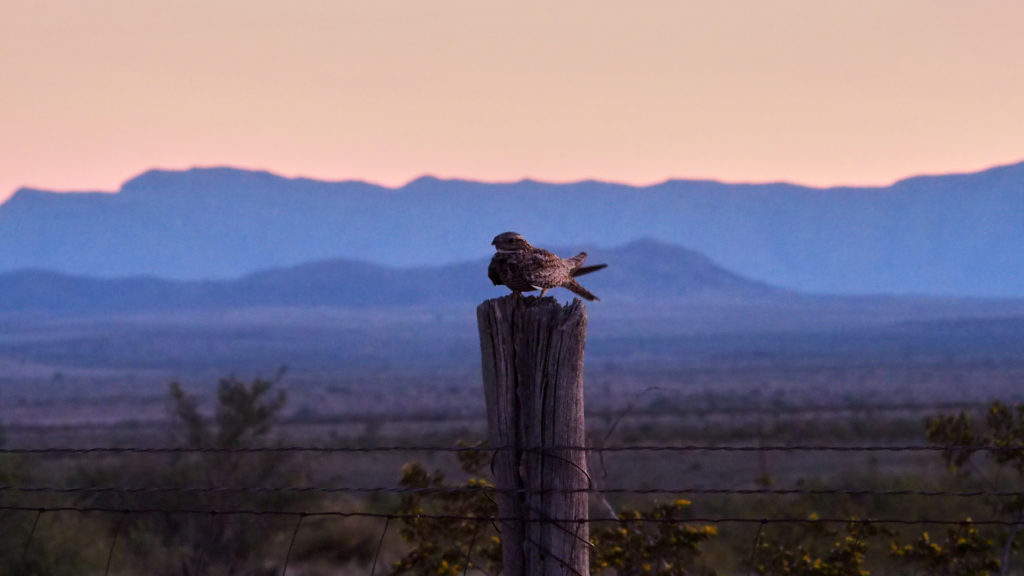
{"x": 525, "y": 303}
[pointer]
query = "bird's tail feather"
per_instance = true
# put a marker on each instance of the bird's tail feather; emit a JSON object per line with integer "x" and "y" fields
{"x": 580, "y": 291}
{"x": 588, "y": 269}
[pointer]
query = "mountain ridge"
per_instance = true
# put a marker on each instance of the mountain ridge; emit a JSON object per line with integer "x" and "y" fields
{"x": 934, "y": 234}
{"x": 671, "y": 275}
{"x": 152, "y": 173}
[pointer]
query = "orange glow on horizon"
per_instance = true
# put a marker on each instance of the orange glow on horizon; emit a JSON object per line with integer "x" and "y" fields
{"x": 817, "y": 93}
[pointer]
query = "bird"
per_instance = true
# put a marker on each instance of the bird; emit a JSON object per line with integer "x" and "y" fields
{"x": 525, "y": 268}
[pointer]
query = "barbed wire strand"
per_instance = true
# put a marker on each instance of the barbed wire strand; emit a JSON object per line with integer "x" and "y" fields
{"x": 545, "y": 491}
{"x": 576, "y": 536}
{"x": 31, "y": 533}
{"x": 543, "y": 518}
{"x": 113, "y": 542}
{"x": 427, "y": 491}
{"x": 291, "y": 544}
{"x": 542, "y": 514}
{"x": 380, "y": 543}
{"x": 753, "y": 548}
{"x": 545, "y": 552}
{"x": 490, "y": 518}
{"x": 457, "y": 449}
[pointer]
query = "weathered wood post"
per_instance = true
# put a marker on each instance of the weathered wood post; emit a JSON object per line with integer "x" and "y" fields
{"x": 532, "y": 356}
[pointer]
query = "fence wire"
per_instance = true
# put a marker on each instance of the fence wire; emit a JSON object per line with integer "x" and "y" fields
{"x": 59, "y": 451}
{"x": 10, "y": 493}
{"x": 494, "y": 490}
{"x": 496, "y": 518}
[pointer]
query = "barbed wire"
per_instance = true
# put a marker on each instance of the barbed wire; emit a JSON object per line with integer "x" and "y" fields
{"x": 494, "y": 490}
{"x": 222, "y": 509}
{"x": 458, "y": 449}
{"x": 495, "y": 518}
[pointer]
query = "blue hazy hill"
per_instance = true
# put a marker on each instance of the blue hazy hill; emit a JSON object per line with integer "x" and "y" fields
{"x": 643, "y": 271}
{"x": 951, "y": 234}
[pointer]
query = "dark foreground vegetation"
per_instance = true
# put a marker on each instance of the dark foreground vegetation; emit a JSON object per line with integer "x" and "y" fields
{"x": 233, "y": 500}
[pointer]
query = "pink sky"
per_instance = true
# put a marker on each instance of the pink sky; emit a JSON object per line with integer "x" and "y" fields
{"x": 814, "y": 92}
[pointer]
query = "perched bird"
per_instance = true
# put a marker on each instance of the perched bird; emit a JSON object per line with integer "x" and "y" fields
{"x": 524, "y": 268}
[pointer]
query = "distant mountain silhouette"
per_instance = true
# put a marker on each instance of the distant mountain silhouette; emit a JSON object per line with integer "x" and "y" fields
{"x": 953, "y": 234}
{"x": 639, "y": 272}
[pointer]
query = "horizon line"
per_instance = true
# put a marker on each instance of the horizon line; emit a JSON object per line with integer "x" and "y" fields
{"x": 553, "y": 182}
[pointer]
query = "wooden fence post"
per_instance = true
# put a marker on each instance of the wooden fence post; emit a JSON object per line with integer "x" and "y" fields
{"x": 532, "y": 357}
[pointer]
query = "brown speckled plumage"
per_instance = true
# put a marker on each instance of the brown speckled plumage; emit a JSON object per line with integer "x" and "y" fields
{"x": 524, "y": 268}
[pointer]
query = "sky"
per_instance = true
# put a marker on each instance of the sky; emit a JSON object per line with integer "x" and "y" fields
{"x": 838, "y": 92}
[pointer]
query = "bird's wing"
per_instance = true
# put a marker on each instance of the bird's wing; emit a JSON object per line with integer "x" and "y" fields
{"x": 544, "y": 269}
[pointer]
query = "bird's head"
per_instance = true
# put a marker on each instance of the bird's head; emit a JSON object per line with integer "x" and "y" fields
{"x": 510, "y": 242}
